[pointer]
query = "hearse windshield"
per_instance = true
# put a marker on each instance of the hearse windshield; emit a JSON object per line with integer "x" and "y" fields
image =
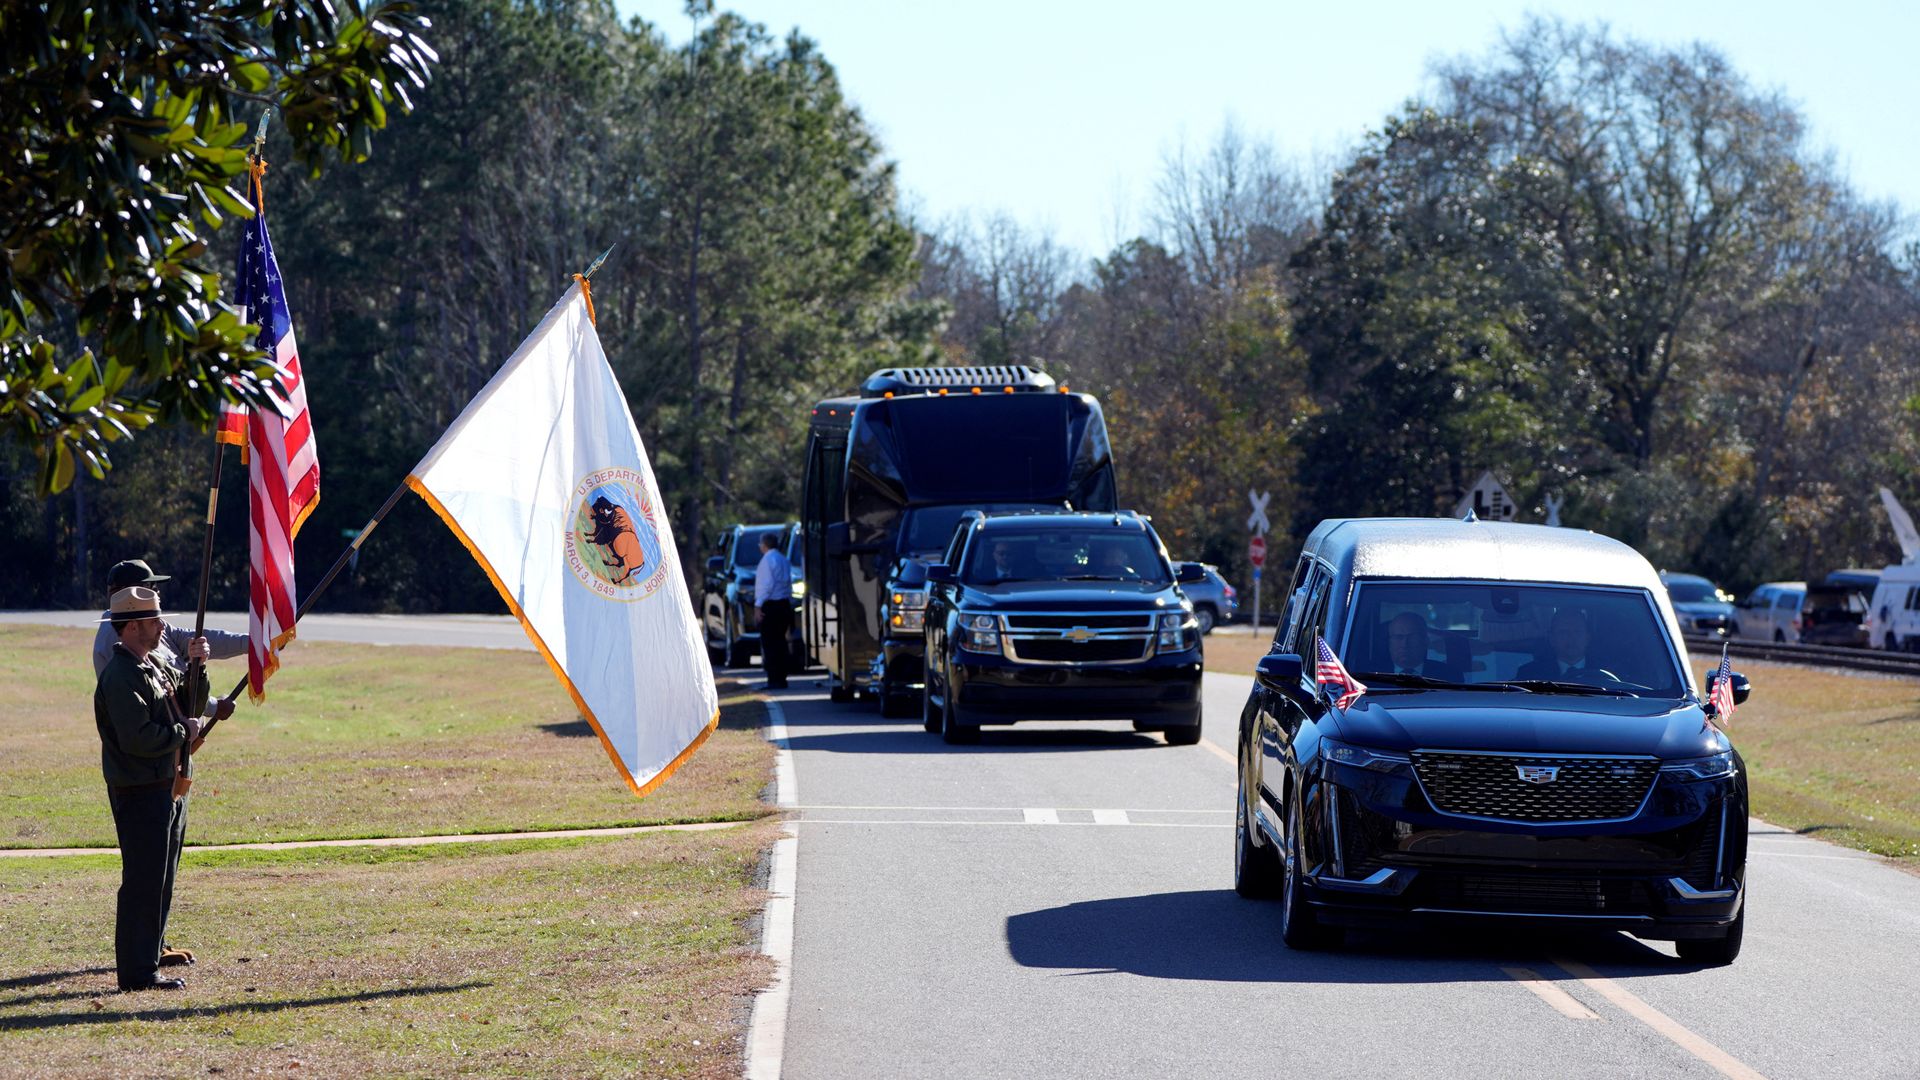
{"x": 1594, "y": 640}
{"x": 928, "y": 528}
{"x": 1065, "y": 553}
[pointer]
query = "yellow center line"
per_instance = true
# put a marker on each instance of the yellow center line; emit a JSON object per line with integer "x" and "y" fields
{"x": 1563, "y": 1003}
{"x": 1677, "y": 1033}
{"x": 1214, "y": 749}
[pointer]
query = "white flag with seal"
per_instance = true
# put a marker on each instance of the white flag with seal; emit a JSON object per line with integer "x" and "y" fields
{"x": 544, "y": 479}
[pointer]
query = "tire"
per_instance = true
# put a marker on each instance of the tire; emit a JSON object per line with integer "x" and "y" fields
{"x": 952, "y": 730}
{"x": 929, "y": 719}
{"x": 1184, "y": 734}
{"x": 1779, "y": 637}
{"x": 841, "y": 693}
{"x": 1891, "y": 645}
{"x": 739, "y": 654}
{"x": 1206, "y": 617}
{"x": 1299, "y": 928}
{"x": 897, "y": 706}
{"x": 1718, "y": 951}
{"x": 1256, "y": 868}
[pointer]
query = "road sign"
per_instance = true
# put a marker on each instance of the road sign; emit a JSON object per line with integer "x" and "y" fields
{"x": 1257, "y": 551}
{"x": 1257, "y": 521}
{"x": 1487, "y": 499}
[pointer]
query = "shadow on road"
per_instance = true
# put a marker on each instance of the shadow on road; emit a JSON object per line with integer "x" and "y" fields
{"x": 1216, "y": 936}
{"x": 898, "y": 740}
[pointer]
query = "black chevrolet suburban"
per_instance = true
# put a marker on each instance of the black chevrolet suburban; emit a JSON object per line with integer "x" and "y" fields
{"x": 1059, "y": 616}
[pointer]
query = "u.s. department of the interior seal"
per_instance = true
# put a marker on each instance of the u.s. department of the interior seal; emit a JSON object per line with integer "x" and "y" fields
{"x": 613, "y": 544}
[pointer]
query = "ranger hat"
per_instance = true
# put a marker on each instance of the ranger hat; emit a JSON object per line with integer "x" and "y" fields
{"x": 132, "y": 604}
{"x": 131, "y": 572}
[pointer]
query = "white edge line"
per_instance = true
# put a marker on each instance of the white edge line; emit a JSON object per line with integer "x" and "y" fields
{"x": 767, "y": 1030}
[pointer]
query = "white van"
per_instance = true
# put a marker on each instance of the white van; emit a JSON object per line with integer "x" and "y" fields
{"x": 1770, "y": 612}
{"x": 1893, "y": 618}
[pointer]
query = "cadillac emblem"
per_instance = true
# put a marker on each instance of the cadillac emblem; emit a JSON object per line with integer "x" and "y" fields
{"x": 1538, "y": 774}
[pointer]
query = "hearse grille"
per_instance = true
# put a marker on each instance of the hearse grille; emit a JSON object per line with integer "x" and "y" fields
{"x": 1543, "y": 894}
{"x": 1070, "y": 638}
{"x": 1496, "y": 785}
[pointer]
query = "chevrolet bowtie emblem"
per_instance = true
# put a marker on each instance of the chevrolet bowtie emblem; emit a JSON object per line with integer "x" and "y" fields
{"x": 1081, "y": 635}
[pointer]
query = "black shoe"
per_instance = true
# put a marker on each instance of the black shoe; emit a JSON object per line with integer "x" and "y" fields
{"x": 156, "y": 983}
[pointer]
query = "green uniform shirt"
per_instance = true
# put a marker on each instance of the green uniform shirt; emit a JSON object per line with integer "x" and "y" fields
{"x": 138, "y": 712}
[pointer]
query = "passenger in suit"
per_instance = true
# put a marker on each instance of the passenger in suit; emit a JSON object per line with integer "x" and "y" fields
{"x": 1407, "y": 648}
{"x": 1569, "y": 634}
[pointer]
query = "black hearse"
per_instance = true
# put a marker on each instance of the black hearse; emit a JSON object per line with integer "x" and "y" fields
{"x": 1531, "y": 745}
{"x": 889, "y": 473}
{"x": 1060, "y": 616}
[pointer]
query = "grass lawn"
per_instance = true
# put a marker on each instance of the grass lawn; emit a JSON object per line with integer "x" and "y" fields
{"x": 357, "y": 740}
{"x": 1830, "y": 754}
{"x": 614, "y": 956}
{"x": 627, "y": 956}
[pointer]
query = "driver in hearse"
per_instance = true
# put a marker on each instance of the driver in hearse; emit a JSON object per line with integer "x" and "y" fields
{"x": 1407, "y": 648}
{"x": 1569, "y": 634}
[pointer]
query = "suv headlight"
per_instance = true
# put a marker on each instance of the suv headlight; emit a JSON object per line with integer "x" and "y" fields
{"x": 906, "y": 610}
{"x": 1176, "y": 632}
{"x": 1362, "y": 758}
{"x": 1712, "y": 767}
{"x": 980, "y": 633}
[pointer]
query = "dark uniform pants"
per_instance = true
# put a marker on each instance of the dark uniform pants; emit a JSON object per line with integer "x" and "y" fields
{"x": 150, "y": 823}
{"x": 776, "y": 622}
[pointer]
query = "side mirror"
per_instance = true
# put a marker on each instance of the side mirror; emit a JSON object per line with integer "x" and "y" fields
{"x": 1191, "y": 573}
{"x": 1279, "y": 672}
{"x": 715, "y": 564}
{"x": 941, "y": 574}
{"x": 1741, "y": 688}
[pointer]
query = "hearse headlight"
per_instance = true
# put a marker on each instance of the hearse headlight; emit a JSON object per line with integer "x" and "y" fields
{"x": 980, "y": 633}
{"x": 1362, "y": 758}
{"x": 907, "y": 610}
{"x": 1712, "y": 767}
{"x": 1176, "y": 631}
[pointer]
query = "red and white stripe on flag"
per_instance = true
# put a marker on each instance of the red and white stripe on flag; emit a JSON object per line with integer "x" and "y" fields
{"x": 1721, "y": 693}
{"x": 283, "y": 469}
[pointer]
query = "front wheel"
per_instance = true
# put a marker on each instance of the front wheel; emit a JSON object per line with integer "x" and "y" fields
{"x": 929, "y": 718}
{"x": 1299, "y": 928}
{"x": 1205, "y": 617}
{"x": 1716, "y": 951}
{"x": 897, "y": 706}
{"x": 1256, "y": 868}
{"x": 1185, "y": 734}
{"x": 952, "y": 730}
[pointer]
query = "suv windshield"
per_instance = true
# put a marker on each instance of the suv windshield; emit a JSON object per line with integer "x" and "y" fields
{"x": 1502, "y": 633}
{"x": 1682, "y": 591}
{"x": 746, "y": 549}
{"x": 1065, "y": 553}
{"x": 928, "y": 528}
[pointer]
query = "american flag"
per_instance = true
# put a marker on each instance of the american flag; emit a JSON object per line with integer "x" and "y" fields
{"x": 1720, "y": 695}
{"x": 1333, "y": 674}
{"x": 283, "y": 472}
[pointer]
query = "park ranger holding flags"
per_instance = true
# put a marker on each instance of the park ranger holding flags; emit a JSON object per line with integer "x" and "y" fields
{"x": 148, "y": 716}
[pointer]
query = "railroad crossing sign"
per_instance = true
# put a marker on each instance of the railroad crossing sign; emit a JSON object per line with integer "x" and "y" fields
{"x": 1257, "y": 551}
{"x": 1487, "y": 499}
{"x": 1257, "y": 522}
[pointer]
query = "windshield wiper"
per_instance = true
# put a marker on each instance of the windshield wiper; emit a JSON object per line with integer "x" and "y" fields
{"x": 1552, "y": 686}
{"x": 1426, "y": 682}
{"x": 1096, "y": 577}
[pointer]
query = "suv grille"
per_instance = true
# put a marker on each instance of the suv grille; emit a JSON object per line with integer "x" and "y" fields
{"x": 1070, "y": 638}
{"x": 1530, "y": 893}
{"x": 1490, "y": 785}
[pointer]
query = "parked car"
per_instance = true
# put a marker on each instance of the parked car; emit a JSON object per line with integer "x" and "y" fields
{"x": 1770, "y": 612}
{"x": 1701, "y": 606}
{"x": 1835, "y": 609}
{"x": 1893, "y": 614}
{"x": 1064, "y": 616}
{"x": 1531, "y": 744}
{"x": 1214, "y": 601}
{"x": 727, "y": 614}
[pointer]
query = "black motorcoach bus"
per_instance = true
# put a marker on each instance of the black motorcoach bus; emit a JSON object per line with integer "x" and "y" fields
{"x": 888, "y": 475}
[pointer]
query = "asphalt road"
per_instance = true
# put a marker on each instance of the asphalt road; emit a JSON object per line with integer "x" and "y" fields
{"x": 1057, "y": 902}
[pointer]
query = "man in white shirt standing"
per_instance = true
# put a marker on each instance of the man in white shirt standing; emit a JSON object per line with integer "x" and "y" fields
{"x": 773, "y": 602}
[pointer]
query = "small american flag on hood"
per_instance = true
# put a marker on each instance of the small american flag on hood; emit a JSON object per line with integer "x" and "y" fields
{"x": 1720, "y": 691}
{"x": 1333, "y": 675}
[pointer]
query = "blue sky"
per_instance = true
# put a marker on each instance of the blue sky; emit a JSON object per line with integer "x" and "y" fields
{"x": 1061, "y": 113}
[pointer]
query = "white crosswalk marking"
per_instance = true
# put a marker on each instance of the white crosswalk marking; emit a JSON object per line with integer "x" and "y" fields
{"x": 1110, "y": 817}
{"x": 1041, "y": 816}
